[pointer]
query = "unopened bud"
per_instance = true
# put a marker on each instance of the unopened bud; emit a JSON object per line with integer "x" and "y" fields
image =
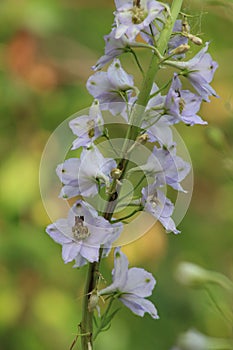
{"x": 116, "y": 173}
{"x": 195, "y": 39}
{"x": 180, "y": 49}
{"x": 191, "y": 275}
{"x": 93, "y": 302}
{"x": 142, "y": 139}
{"x": 194, "y": 340}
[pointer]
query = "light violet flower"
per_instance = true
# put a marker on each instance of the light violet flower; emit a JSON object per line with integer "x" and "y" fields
{"x": 157, "y": 204}
{"x": 200, "y": 71}
{"x": 165, "y": 167}
{"x": 87, "y": 127}
{"x": 67, "y": 173}
{"x": 156, "y": 127}
{"x": 113, "y": 48}
{"x": 133, "y": 16}
{"x": 131, "y": 286}
{"x": 182, "y": 105}
{"x": 112, "y": 86}
{"x": 161, "y": 132}
{"x": 82, "y": 234}
{"x": 84, "y": 176}
{"x": 94, "y": 171}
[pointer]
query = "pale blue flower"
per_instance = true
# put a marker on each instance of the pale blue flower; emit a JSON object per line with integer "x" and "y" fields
{"x": 67, "y": 173}
{"x": 112, "y": 86}
{"x": 87, "y": 127}
{"x": 82, "y": 234}
{"x": 131, "y": 286}
{"x": 132, "y": 17}
{"x": 165, "y": 167}
{"x": 84, "y": 176}
{"x": 94, "y": 171}
{"x": 157, "y": 127}
{"x": 182, "y": 105}
{"x": 200, "y": 71}
{"x": 157, "y": 204}
{"x": 113, "y": 48}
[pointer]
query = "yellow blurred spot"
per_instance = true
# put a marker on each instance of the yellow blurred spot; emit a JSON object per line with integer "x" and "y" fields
{"x": 19, "y": 181}
{"x": 10, "y": 306}
{"x": 53, "y": 308}
{"x": 151, "y": 246}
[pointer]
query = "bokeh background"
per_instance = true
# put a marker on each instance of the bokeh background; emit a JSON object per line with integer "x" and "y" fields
{"x": 46, "y": 50}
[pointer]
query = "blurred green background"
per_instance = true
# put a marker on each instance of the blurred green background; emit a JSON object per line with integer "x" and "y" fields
{"x": 46, "y": 50}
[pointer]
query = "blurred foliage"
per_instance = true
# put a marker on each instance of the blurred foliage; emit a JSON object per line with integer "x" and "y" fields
{"x": 46, "y": 50}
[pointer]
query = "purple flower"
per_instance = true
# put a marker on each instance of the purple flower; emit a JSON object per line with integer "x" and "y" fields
{"x": 161, "y": 132}
{"x": 67, "y": 173}
{"x": 115, "y": 85}
{"x": 82, "y": 234}
{"x": 200, "y": 71}
{"x": 84, "y": 176}
{"x": 165, "y": 167}
{"x": 113, "y": 48}
{"x": 131, "y": 286}
{"x": 182, "y": 105}
{"x": 158, "y": 205}
{"x": 157, "y": 127}
{"x": 94, "y": 171}
{"x": 87, "y": 127}
{"x": 133, "y": 16}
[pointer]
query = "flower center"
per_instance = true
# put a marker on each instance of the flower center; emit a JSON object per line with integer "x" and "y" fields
{"x": 154, "y": 201}
{"x": 80, "y": 232}
{"x": 181, "y": 105}
{"x": 91, "y": 128}
{"x": 138, "y": 14}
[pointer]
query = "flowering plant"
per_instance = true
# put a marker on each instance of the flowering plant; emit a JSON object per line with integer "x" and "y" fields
{"x": 98, "y": 179}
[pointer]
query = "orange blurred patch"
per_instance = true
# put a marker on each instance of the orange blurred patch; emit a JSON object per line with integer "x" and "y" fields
{"x": 25, "y": 60}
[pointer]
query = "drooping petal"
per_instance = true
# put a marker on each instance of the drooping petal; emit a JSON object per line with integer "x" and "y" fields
{"x": 70, "y": 251}
{"x": 89, "y": 252}
{"x": 139, "y": 305}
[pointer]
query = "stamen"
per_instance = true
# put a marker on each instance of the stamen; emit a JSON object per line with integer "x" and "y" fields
{"x": 80, "y": 232}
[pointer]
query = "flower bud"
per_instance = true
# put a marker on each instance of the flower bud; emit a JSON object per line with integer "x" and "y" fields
{"x": 195, "y": 39}
{"x": 142, "y": 139}
{"x": 194, "y": 340}
{"x": 116, "y": 173}
{"x": 93, "y": 301}
{"x": 191, "y": 275}
{"x": 180, "y": 49}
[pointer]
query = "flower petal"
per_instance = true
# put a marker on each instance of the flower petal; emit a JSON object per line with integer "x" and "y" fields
{"x": 139, "y": 282}
{"x": 139, "y": 306}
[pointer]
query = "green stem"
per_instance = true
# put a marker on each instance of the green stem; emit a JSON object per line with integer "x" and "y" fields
{"x": 132, "y": 133}
{"x": 127, "y": 216}
{"x": 87, "y": 316}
